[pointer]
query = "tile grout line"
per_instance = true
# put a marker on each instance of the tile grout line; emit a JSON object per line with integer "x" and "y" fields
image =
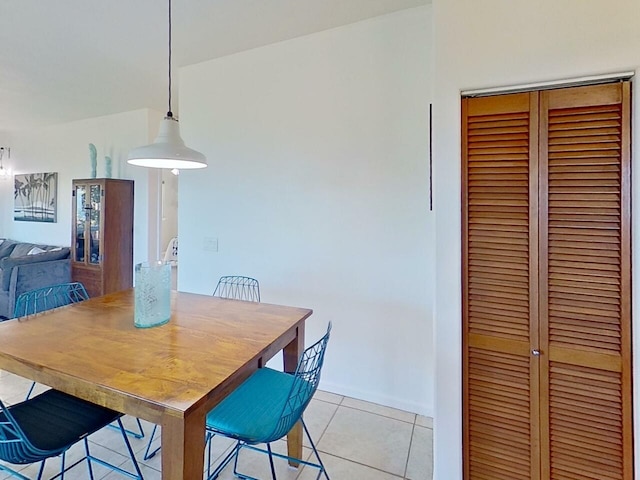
{"x": 378, "y": 414}
{"x": 406, "y": 465}
{"x": 317, "y": 442}
{"x": 360, "y": 463}
{"x": 365, "y": 465}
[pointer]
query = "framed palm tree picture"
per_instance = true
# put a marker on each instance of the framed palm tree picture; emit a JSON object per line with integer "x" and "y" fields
{"x": 35, "y": 197}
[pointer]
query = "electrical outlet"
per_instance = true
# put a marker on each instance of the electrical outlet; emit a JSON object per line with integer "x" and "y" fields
{"x": 210, "y": 244}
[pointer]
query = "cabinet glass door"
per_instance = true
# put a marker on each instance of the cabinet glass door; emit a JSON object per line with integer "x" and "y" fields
{"x": 81, "y": 217}
{"x": 95, "y": 227}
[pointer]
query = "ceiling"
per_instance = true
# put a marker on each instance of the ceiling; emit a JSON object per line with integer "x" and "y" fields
{"x": 65, "y": 60}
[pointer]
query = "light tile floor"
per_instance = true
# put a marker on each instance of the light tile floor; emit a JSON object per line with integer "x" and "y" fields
{"x": 356, "y": 439}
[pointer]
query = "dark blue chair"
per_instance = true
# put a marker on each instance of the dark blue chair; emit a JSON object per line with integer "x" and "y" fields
{"x": 265, "y": 408}
{"x": 47, "y": 425}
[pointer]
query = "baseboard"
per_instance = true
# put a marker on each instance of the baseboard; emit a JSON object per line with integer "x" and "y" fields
{"x": 386, "y": 400}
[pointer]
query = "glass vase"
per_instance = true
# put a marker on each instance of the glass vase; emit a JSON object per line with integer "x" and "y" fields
{"x": 152, "y": 294}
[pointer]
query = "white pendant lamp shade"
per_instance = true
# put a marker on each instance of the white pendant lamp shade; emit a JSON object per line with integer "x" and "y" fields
{"x": 168, "y": 150}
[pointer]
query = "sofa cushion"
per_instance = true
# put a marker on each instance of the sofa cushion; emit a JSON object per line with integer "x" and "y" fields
{"x": 7, "y": 263}
{"x": 6, "y": 247}
{"x": 23, "y": 249}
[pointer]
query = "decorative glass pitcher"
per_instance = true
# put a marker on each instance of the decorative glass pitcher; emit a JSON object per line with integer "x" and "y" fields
{"x": 152, "y": 294}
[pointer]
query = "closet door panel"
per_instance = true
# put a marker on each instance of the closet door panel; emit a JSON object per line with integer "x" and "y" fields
{"x": 500, "y": 378}
{"x": 585, "y": 282}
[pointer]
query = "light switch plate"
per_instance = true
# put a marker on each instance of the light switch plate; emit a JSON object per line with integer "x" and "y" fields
{"x": 210, "y": 244}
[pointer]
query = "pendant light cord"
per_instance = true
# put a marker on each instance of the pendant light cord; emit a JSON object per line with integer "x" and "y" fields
{"x": 169, "y": 113}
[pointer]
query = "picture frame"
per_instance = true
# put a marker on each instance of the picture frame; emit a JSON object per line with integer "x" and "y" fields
{"x": 36, "y": 197}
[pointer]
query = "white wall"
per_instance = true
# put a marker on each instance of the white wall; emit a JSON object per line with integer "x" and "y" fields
{"x": 64, "y": 149}
{"x": 497, "y": 43}
{"x": 317, "y": 185}
{"x": 6, "y": 184}
{"x": 169, "y": 228}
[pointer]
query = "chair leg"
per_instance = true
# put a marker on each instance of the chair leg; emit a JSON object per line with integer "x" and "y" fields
{"x": 221, "y": 466}
{"x": 31, "y": 388}
{"x": 62, "y": 469}
{"x": 148, "y": 455}
{"x": 137, "y": 475}
{"x": 315, "y": 450}
{"x": 88, "y": 457}
{"x": 41, "y": 470}
{"x": 273, "y": 468}
{"x": 208, "y": 441}
{"x": 132, "y": 433}
{"x": 140, "y": 428}
{"x": 320, "y": 466}
{"x": 131, "y": 454}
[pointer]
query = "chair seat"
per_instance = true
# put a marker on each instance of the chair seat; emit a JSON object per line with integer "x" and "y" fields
{"x": 68, "y": 419}
{"x": 253, "y": 410}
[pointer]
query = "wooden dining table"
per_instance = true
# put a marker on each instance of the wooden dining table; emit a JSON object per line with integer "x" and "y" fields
{"x": 171, "y": 375}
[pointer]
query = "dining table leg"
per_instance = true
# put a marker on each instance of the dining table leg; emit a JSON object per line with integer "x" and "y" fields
{"x": 183, "y": 446}
{"x": 291, "y": 355}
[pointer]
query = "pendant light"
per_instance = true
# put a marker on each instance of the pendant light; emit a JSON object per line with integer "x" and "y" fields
{"x": 168, "y": 150}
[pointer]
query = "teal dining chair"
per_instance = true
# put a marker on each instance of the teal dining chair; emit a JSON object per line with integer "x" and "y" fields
{"x": 237, "y": 287}
{"x": 47, "y": 425}
{"x": 47, "y": 298}
{"x": 233, "y": 287}
{"x": 265, "y": 407}
{"x": 55, "y": 296}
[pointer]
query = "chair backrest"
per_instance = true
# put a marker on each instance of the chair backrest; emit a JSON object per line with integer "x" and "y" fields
{"x": 236, "y": 287}
{"x": 307, "y": 377}
{"x": 14, "y": 445}
{"x": 171, "y": 253}
{"x": 41, "y": 299}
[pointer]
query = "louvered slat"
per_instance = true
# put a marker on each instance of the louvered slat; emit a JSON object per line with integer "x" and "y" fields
{"x": 584, "y": 189}
{"x": 499, "y": 435}
{"x": 585, "y": 423}
{"x": 498, "y": 175}
{"x": 586, "y": 287}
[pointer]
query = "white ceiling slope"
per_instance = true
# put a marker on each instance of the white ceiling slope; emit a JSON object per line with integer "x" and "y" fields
{"x": 64, "y": 60}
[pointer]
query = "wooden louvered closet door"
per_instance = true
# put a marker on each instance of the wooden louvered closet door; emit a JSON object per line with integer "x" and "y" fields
{"x": 546, "y": 285}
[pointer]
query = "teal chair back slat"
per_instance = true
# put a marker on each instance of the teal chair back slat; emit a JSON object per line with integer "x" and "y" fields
{"x": 237, "y": 287}
{"x": 47, "y": 298}
{"x": 307, "y": 378}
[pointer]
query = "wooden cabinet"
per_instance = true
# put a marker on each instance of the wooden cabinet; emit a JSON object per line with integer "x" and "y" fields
{"x": 547, "y": 285}
{"x": 102, "y": 235}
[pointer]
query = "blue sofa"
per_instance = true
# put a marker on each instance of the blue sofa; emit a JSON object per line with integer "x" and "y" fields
{"x": 27, "y": 266}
